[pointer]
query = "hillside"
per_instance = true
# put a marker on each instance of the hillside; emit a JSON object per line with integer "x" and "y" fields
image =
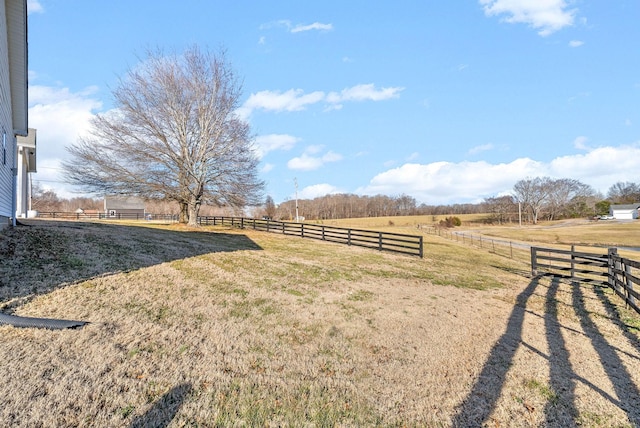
{"x": 224, "y": 327}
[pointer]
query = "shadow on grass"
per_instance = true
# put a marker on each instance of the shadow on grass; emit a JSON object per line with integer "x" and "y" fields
{"x": 560, "y": 409}
{"x": 164, "y": 410}
{"x": 45, "y": 255}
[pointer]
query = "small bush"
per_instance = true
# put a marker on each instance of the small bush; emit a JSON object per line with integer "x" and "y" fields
{"x": 450, "y": 222}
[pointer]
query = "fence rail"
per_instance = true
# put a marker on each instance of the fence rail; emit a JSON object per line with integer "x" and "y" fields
{"x": 383, "y": 241}
{"x": 104, "y": 216}
{"x": 621, "y": 274}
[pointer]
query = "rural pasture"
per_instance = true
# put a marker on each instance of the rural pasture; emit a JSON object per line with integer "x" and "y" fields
{"x": 225, "y": 327}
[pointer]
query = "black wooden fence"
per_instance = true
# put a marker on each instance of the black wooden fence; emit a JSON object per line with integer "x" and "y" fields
{"x": 104, "y": 216}
{"x": 383, "y": 241}
{"x": 622, "y": 275}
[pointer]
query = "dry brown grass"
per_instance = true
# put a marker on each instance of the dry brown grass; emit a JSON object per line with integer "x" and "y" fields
{"x": 221, "y": 327}
{"x": 606, "y": 233}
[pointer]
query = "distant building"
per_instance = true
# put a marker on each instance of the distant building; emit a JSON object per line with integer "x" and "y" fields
{"x": 13, "y": 99}
{"x": 125, "y": 207}
{"x": 625, "y": 212}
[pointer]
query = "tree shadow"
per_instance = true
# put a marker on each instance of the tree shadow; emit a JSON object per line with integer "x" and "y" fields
{"x": 46, "y": 255}
{"x": 560, "y": 409}
{"x": 163, "y": 410}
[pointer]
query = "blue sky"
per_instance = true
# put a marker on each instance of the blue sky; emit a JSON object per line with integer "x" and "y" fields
{"x": 446, "y": 101}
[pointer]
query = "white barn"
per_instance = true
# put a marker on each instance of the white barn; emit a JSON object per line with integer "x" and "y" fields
{"x": 625, "y": 212}
{"x": 13, "y": 99}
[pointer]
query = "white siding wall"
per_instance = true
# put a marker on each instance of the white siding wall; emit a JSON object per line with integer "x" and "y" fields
{"x": 6, "y": 124}
{"x": 625, "y": 214}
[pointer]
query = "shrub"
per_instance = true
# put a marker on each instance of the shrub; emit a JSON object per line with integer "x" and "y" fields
{"x": 450, "y": 222}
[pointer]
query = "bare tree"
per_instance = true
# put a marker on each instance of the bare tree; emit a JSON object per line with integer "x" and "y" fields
{"x": 174, "y": 135}
{"x": 501, "y": 208}
{"x": 624, "y": 193}
{"x": 533, "y": 193}
{"x": 269, "y": 207}
{"x": 44, "y": 200}
{"x": 564, "y": 193}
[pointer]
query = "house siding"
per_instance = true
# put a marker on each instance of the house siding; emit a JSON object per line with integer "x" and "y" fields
{"x": 625, "y": 212}
{"x": 7, "y": 153}
{"x": 13, "y": 96}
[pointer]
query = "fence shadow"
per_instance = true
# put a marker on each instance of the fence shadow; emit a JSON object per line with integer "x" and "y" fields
{"x": 484, "y": 395}
{"x": 163, "y": 410}
{"x": 44, "y": 255}
{"x": 626, "y": 390}
{"x": 561, "y": 409}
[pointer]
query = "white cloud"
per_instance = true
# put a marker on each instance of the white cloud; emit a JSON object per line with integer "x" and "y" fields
{"x": 481, "y": 148}
{"x": 271, "y": 142}
{"x": 276, "y": 24}
{"x": 315, "y": 26}
{"x": 309, "y": 162}
{"x": 297, "y": 100}
{"x": 547, "y": 16}
{"x": 268, "y": 167}
{"x": 316, "y": 191}
{"x": 447, "y": 182}
{"x": 580, "y": 143}
{"x": 600, "y": 167}
{"x": 576, "y": 43}
{"x": 298, "y": 28}
{"x": 291, "y": 100}
{"x": 59, "y": 117}
{"x": 34, "y": 6}
{"x": 363, "y": 92}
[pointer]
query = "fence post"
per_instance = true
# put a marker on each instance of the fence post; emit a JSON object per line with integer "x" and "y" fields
{"x": 302, "y": 230}
{"x": 629, "y": 286}
{"x": 380, "y": 241}
{"x": 611, "y": 278}
{"x": 534, "y": 262}
{"x": 348, "y": 236}
{"x": 421, "y": 250}
{"x": 323, "y": 233}
{"x": 573, "y": 261}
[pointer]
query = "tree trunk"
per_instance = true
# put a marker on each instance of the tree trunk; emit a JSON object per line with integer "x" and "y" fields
{"x": 184, "y": 213}
{"x": 194, "y": 210}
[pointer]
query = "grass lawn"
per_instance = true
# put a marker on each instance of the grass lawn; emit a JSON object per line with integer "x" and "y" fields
{"x": 227, "y": 327}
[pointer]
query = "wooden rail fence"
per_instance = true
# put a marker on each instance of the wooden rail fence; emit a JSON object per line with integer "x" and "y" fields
{"x": 383, "y": 241}
{"x": 621, "y": 274}
{"x": 103, "y": 216}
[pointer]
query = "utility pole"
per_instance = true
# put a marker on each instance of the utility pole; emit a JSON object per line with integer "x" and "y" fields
{"x": 520, "y": 213}
{"x": 295, "y": 181}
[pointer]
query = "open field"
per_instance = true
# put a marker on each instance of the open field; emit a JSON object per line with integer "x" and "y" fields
{"x": 561, "y": 233}
{"x": 604, "y": 233}
{"x": 226, "y": 327}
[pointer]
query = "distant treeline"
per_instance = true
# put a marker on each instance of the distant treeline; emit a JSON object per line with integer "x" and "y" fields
{"x": 532, "y": 199}
{"x": 356, "y": 206}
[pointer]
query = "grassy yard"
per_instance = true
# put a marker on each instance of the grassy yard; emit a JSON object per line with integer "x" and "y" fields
{"x": 227, "y": 327}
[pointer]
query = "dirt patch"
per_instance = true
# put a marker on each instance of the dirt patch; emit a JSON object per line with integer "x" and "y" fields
{"x": 258, "y": 329}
